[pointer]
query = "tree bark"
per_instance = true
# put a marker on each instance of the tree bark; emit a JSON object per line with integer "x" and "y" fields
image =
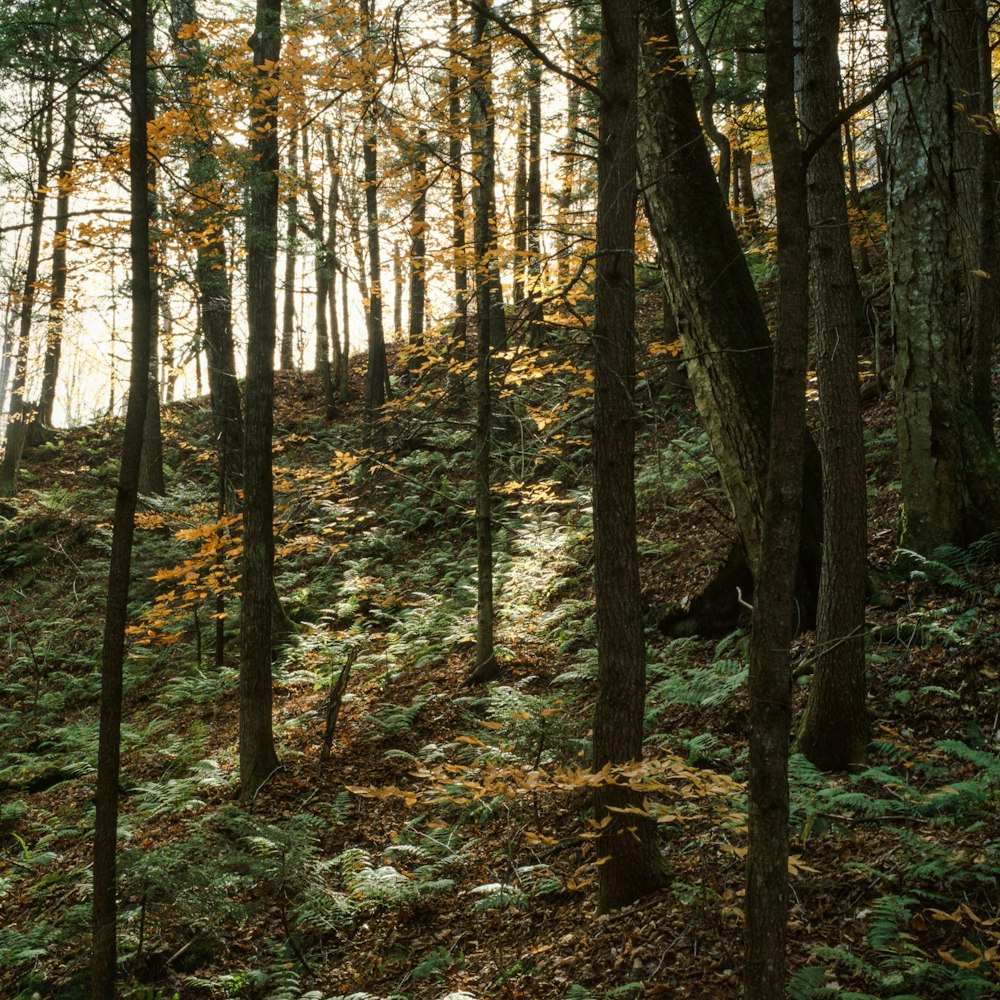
{"x": 258, "y": 759}
{"x": 633, "y": 865}
{"x": 104, "y": 913}
{"x": 418, "y": 252}
{"x": 726, "y": 340}
{"x": 949, "y": 468}
{"x": 57, "y": 300}
{"x": 770, "y": 682}
{"x": 287, "y": 351}
{"x": 18, "y": 412}
{"x": 834, "y": 733}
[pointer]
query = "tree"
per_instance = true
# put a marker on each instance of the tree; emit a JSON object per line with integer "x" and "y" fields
{"x": 377, "y": 388}
{"x": 834, "y": 733}
{"x": 633, "y": 865}
{"x": 206, "y": 223}
{"x": 949, "y": 468}
{"x": 104, "y": 914}
{"x": 18, "y": 413}
{"x": 258, "y": 759}
{"x": 773, "y": 627}
{"x": 726, "y": 340}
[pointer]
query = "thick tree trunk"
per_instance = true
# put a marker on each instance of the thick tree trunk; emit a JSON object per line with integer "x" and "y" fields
{"x": 726, "y": 340}
{"x": 834, "y": 733}
{"x": 948, "y": 465}
{"x": 770, "y": 682}
{"x": 633, "y": 865}
{"x": 105, "y": 910}
{"x": 258, "y": 759}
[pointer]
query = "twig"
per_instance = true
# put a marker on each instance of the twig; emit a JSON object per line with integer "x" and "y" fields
{"x": 333, "y": 704}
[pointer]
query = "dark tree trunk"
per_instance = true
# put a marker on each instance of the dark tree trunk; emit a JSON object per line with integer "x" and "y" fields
{"x": 520, "y": 210}
{"x": 57, "y": 300}
{"x": 104, "y": 913}
{"x": 418, "y": 253}
{"x": 533, "y": 202}
{"x": 258, "y": 759}
{"x": 770, "y": 682}
{"x": 377, "y": 379}
{"x": 332, "y": 220}
{"x": 726, "y": 340}
{"x": 18, "y": 412}
{"x": 834, "y": 733}
{"x": 287, "y": 351}
{"x": 483, "y": 231}
{"x": 458, "y": 235}
{"x": 708, "y": 94}
{"x": 633, "y": 865}
{"x": 211, "y": 259}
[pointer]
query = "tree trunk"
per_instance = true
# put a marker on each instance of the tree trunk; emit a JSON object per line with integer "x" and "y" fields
{"x": 418, "y": 253}
{"x": 770, "y": 682}
{"x": 533, "y": 202}
{"x": 834, "y": 733}
{"x": 18, "y": 412}
{"x": 105, "y": 910}
{"x": 481, "y": 127}
{"x": 57, "y": 300}
{"x": 211, "y": 258}
{"x": 459, "y": 330}
{"x": 287, "y": 352}
{"x": 520, "y": 209}
{"x": 726, "y": 340}
{"x": 377, "y": 380}
{"x": 633, "y": 865}
{"x": 948, "y": 465}
{"x": 258, "y": 759}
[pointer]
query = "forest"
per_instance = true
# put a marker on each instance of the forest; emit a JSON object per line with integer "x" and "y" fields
{"x": 499, "y": 500}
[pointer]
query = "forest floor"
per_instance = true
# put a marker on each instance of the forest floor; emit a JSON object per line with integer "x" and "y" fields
{"x": 445, "y": 849}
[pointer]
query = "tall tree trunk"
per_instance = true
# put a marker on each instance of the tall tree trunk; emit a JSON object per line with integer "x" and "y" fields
{"x": 770, "y": 682}
{"x": 834, "y": 733}
{"x": 377, "y": 379}
{"x": 57, "y": 300}
{"x": 949, "y": 468}
{"x": 151, "y": 479}
{"x": 332, "y": 221}
{"x": 105, "y": 910}
{"x": 726, "y": 340}
{"x": 481, "y": 132}
{"x": 459, "y": 331}
{"x": 287, "y": 351}
{"x": 567, "y": 191}
{"x": 520, "y": 210}
{"x": 418, "y": 253}
{"x": 18, "y": 414}
{"x": 633, "y": 864}
{"x": 257, "y": 755}
{"x": 534, "y": 189}
{"x": 345, "y": 358}
{"x": 211, "y": 258}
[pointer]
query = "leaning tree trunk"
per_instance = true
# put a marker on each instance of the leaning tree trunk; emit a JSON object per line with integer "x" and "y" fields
{"x": 834, "y": 733}
{"x": 257, "y": 755}
{"x": 633, "y": 865}
{"x": 770, "y": 680}
{"x": 105, "y": 909}
{"x": 726, "y": 340}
